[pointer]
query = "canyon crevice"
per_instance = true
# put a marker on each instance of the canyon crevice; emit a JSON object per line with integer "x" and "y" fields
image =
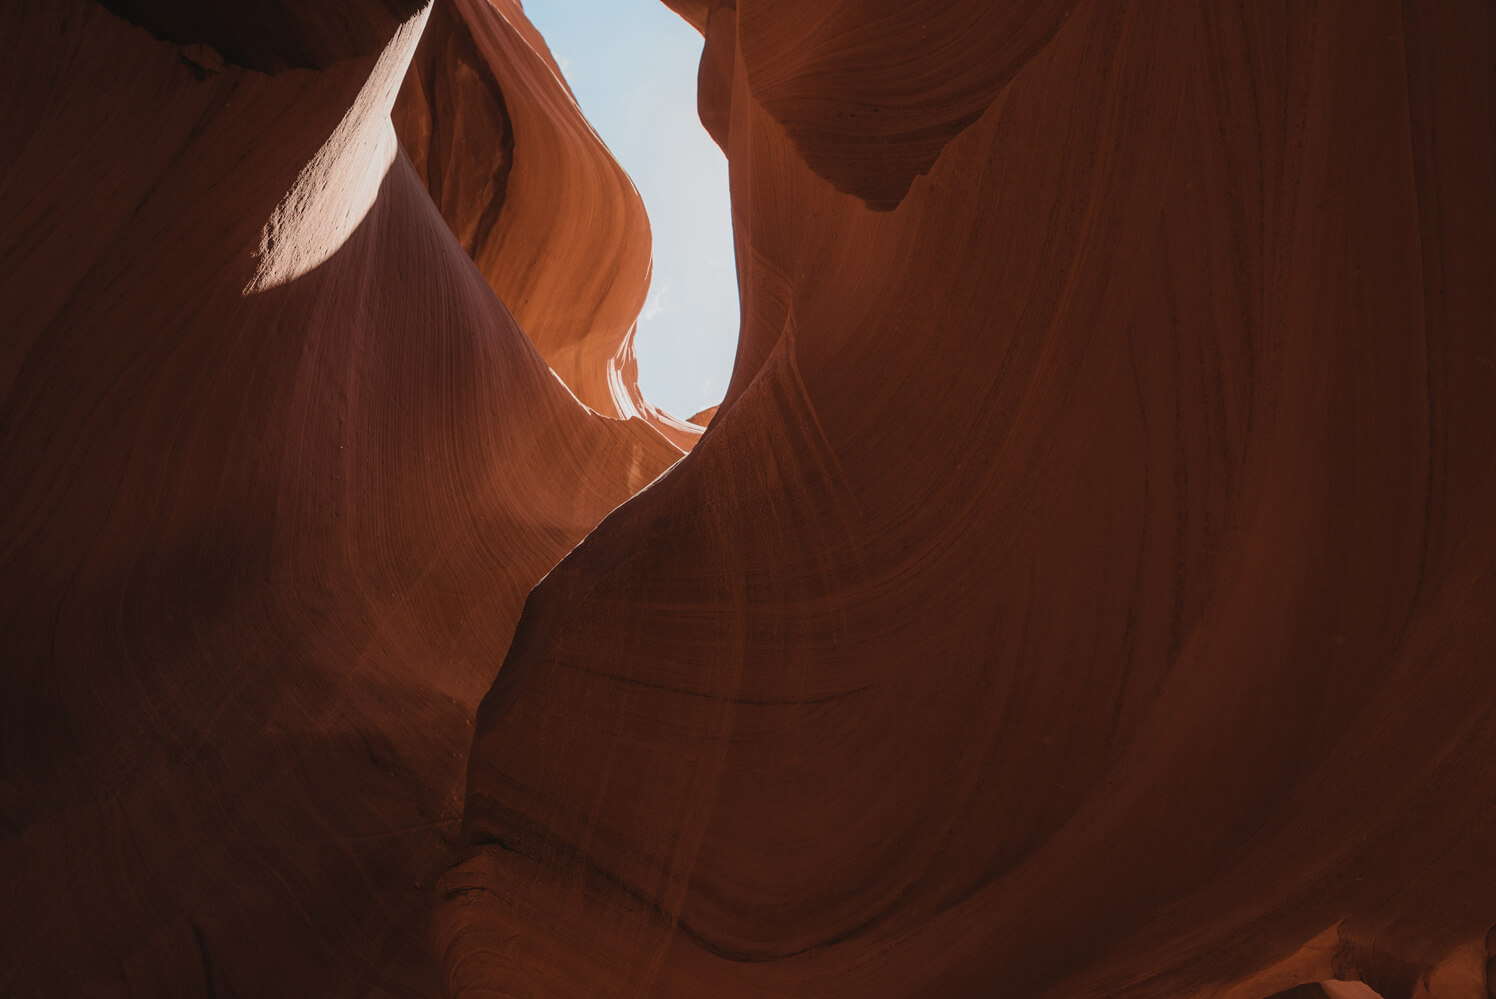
{"x": 1085, "y": 587}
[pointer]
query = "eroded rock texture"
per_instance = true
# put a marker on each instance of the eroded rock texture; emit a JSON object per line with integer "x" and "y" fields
{"x": 559, "y": 230}
{"x": 1085, "y": 588}
{"x": 279, "y": 469}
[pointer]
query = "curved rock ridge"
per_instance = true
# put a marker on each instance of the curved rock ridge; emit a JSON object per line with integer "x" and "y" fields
{"x": 279, "y": 471}
{"x": 870, "y": 91}
{"x": 1086, "y": 587}
{"x": 552, "y": 220}
{"x": 452, "y": 121}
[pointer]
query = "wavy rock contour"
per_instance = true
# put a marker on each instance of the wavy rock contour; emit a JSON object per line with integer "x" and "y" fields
{"x": 1085, "y": 588}
{"x": 280, "y": 470}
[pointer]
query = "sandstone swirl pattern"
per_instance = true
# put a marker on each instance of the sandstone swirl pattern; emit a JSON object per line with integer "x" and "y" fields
{"x": 1085, "y": 588}
{"x": 279, "y": 471}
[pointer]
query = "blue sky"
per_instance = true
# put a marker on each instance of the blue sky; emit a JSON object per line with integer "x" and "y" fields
{"x": 632, "y": 66}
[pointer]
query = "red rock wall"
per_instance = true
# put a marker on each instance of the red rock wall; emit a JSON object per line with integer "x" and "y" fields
{"x": 1086, "y": 586}
{"x": 279, "y": 470}
{"x": 554, "y": 224}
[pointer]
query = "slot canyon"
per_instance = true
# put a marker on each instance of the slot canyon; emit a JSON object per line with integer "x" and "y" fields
{"x": 1085, "y": 588}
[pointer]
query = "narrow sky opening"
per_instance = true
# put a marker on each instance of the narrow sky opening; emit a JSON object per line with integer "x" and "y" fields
{"x": 632, "y": 65}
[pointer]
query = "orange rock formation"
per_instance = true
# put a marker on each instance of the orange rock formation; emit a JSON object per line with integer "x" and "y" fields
{"x": 279, "y": 471}
{"x": 1085, "y": 588}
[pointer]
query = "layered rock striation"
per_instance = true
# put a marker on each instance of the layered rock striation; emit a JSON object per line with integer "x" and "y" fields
{"x": 1085, "y": 587}
{"x": 279, "y": 471}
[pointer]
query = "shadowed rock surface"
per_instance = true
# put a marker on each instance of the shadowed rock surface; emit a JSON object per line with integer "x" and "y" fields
{"x": 280, "y": 469}
{"x": 272, "y": 35}
{"x": 1084, "y": 589}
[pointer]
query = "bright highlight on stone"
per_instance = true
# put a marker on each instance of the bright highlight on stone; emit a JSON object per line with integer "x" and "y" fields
{"x": 1083, "y": 589}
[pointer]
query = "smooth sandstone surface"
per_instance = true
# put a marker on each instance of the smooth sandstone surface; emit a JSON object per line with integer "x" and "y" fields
{"x": 279, "y": 471}
{"x": 557, "y": 227}
{"x": 1085, "y": 587}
